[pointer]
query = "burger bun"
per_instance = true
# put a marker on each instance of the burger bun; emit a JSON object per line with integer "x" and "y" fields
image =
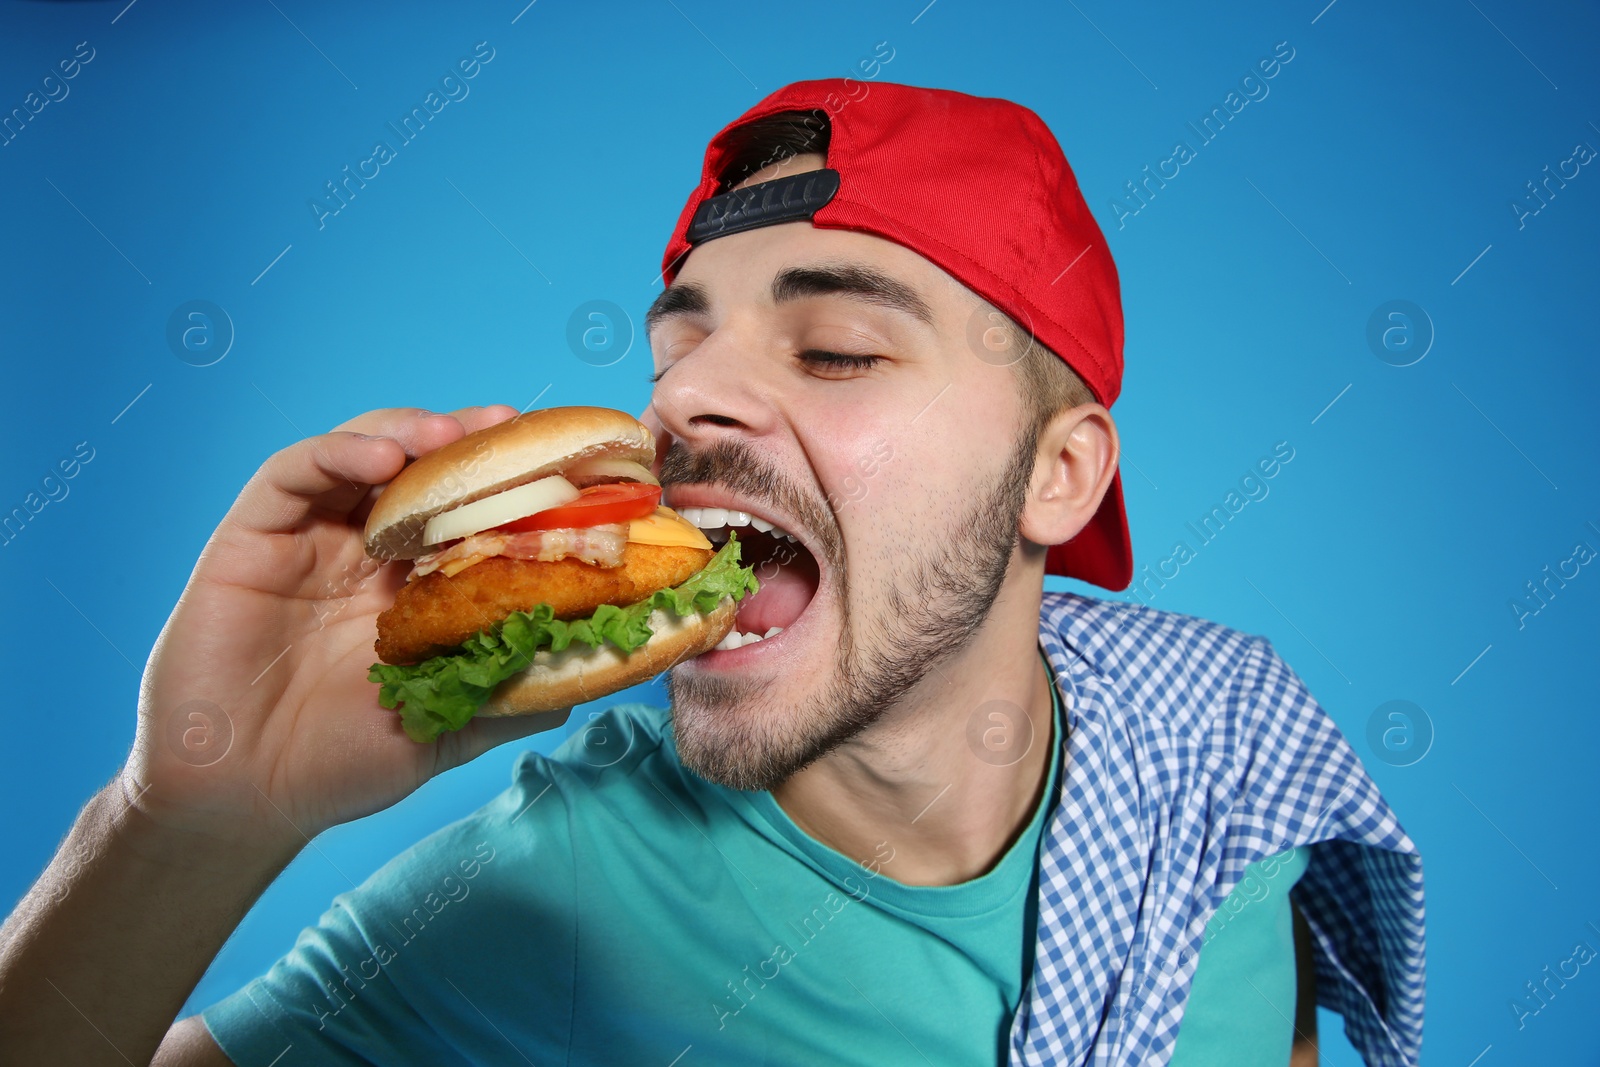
{"x": 522, "y": 449}
{"x": 579, "y": 674}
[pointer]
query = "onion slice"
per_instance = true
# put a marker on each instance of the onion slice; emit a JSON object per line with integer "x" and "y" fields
{"x": 501, "y": 508}
{"x": 595, "y": 471}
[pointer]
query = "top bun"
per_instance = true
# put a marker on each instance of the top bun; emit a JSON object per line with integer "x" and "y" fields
{"x": 499, "y": 457}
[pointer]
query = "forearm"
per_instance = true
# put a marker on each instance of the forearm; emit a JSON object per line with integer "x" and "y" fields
{"x": 100, "y": 955}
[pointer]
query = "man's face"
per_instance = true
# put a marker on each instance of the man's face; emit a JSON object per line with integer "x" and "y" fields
{"x": 823, "y": 381}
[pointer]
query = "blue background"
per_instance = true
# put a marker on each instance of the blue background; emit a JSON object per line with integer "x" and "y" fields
{"x": 1382, "y": 165}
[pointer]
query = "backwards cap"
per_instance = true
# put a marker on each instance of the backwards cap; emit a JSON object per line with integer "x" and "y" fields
{"x": 978, "y": 186}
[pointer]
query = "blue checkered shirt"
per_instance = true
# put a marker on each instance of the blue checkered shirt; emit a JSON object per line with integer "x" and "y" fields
{"x": 1192, "y": 751}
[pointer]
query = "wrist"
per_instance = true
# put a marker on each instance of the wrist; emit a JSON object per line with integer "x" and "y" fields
{"x": 102, "y": 952}
{"x": 198, "y": 840}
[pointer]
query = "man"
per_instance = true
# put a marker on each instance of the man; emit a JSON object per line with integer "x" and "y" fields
{"x": 937, "y": 817}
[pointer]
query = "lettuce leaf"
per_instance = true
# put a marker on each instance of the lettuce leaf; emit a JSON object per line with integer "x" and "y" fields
{"x": 443, "y": 693}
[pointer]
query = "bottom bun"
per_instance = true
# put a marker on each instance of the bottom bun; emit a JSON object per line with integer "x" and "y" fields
{"x": 577, "y": 674}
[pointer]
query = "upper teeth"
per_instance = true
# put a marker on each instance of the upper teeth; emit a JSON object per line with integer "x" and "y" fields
{"x": 718, "y": 518}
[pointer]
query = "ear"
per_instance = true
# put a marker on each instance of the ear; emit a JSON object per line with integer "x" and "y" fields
{"x": 1075, "y": 462}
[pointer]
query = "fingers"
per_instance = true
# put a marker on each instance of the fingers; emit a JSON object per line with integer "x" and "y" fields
{"x": 337, "y": 471}
{"x": 418, "y": 430}
{"x": 478, "y": 418}
{"x": 486, "y": 732}
{"x": 653, "y": 423}
{"x": 471, "y": 419}
{"x": 332, "y": 471}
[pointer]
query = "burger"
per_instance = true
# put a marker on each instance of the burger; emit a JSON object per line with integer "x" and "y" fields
{"x": 545, "y": 572}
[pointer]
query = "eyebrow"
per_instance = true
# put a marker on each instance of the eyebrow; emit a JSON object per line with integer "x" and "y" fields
{"x": 858, "y": 282}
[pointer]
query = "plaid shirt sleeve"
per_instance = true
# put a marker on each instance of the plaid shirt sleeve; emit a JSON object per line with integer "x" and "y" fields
{"x": 1193, "y": 751}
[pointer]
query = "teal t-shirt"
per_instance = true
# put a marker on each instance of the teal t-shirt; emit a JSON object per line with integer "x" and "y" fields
{"x": 1242, "y": 1003}
{"x": 611, "y": 907}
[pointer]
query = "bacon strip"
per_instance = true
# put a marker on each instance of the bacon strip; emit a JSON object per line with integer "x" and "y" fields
{"x": 601, "y": 546}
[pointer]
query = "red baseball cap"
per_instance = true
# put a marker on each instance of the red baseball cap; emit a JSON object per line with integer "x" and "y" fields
{"x": 978, "y": 186}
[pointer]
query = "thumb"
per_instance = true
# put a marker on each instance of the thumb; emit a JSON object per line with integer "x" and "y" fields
{"x": 658, "y": 430}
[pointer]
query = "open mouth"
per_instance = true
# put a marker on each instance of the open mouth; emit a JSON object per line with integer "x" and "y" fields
{"x": 785, "y": 567}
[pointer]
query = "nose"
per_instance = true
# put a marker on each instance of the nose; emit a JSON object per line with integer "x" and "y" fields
{"x": 717, "y": 391}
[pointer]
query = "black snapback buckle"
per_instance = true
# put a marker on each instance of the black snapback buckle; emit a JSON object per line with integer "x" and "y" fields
{"x": 789, "y": 199}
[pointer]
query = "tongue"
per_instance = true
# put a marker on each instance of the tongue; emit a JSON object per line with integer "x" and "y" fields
{"x": 785, "y": 592}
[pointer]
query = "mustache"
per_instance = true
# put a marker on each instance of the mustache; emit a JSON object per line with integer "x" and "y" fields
{"x": 737, "y": 467}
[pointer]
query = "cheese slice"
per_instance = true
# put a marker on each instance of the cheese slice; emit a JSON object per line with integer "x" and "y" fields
{"x": 668, "y": 529}
{"x": 456, "y": 566}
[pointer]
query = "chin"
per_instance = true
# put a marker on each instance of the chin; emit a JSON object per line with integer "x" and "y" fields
{"x": 730, "y": 732}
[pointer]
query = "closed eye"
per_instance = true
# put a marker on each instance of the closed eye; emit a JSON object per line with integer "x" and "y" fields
{"x": 838, "y": 361}
{"x": 817, "y": 359}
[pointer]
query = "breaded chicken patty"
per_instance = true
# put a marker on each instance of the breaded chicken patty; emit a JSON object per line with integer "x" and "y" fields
{"x": 435, "y": 613}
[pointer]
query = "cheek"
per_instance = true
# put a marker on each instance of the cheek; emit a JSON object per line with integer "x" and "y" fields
{"x": 897, "y": 470}
{"x": 895, "y": 498}
{"x": 851, "y": 449}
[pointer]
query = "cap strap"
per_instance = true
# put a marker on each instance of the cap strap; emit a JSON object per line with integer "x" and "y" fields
{"x": 788, "y": 199}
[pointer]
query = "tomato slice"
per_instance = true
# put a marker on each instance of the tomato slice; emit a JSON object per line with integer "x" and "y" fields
{"x": 595, "y": 506}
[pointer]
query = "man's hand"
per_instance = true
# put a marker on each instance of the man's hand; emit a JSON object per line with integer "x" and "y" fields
{"x": 257, "y": 729}
{"x": 663, "y": 439}
{"x": 256, "y": 714}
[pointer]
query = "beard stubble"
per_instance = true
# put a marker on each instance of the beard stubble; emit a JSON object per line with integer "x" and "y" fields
{"x": 934, "y": 602}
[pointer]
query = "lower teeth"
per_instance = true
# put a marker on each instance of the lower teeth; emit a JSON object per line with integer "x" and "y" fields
{"x": 735, "y": 639}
